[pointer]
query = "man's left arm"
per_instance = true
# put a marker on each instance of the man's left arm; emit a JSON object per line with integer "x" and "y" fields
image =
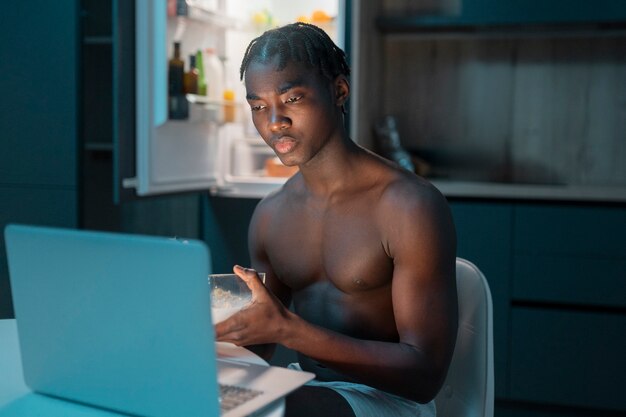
{"x": 422, "y": 242}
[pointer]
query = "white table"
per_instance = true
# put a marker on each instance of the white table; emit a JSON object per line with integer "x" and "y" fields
{"x": 17, "y": 400}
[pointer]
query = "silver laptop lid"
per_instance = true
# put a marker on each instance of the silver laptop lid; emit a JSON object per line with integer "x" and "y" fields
{"x": 74, "y": 295}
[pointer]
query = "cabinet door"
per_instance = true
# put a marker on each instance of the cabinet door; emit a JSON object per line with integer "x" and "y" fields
{"x": 484, "y": 238}
{"x": 569, "y": 358}
{"x": 39, "y": 84}
{"x": 541, "y": 12}
{"x": 416, "y": 15}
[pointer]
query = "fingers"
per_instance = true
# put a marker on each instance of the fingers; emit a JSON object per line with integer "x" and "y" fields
{"x": 235, "y": 337}
{"x": 229, "y": 324}
{"x": 234, "y": 329}
{"x": 249, "y": 275}
{"x": 242, "y": 272}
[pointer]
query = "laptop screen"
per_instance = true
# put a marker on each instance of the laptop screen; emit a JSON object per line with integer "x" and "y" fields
{"x": 114, "y": 320}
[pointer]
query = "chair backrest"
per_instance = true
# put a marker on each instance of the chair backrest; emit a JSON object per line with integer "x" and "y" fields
{"x": 468, "y": 390}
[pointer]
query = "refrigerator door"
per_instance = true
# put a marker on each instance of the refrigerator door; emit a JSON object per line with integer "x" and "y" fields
{"x": 171, "y": 155}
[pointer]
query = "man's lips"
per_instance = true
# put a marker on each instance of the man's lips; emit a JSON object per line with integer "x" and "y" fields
{"x": 284, "y": 145}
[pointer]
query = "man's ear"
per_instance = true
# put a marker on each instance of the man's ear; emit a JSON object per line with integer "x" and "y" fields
{"x": 342, "y": 90}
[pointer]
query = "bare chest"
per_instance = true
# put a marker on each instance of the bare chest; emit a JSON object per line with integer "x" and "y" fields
{"x": 343, "y": 247}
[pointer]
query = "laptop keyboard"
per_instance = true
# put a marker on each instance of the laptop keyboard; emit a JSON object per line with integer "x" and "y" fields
{"x": 232, "y": 396}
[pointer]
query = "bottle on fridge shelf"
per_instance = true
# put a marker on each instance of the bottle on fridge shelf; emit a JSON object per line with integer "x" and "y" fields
{"x": 229, "y": 108}
{"x": 178, "y": 107}
{"x": 214, "y": 75}
{"x": 201, "y": 74}
{"x": 190, "y": 80}
{"x": 214, "y": 78}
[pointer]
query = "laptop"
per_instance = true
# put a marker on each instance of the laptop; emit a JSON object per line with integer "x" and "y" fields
{"x": 123, "y": 322}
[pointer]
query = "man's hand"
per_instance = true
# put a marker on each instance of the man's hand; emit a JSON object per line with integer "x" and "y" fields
{"x": 262, "y": 321}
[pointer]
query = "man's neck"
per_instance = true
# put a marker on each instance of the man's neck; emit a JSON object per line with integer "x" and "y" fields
{"x": 333, "y": 169}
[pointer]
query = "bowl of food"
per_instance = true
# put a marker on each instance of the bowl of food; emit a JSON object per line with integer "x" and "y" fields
{"x": 229, "y": 294}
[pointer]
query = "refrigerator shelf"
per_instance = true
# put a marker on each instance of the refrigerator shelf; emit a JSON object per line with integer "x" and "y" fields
{"x": 198, "y": 12}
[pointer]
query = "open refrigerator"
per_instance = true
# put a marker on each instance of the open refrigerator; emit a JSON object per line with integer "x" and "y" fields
{"x": 212, "y": 145}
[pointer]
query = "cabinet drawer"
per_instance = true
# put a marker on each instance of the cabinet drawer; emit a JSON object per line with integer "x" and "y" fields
{"x": 570, "y": 280}
{"x": 572, "y": 255}
{"x": 568, "y": 358}
{"x": 591, "y": 232}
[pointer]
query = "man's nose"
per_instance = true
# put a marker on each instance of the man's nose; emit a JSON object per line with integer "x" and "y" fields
{"x": 279, "y": 122}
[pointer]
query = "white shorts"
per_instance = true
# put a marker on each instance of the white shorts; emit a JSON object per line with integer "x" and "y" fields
{"x": 367, "y": 401}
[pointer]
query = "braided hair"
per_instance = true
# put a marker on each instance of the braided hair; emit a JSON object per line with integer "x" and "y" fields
{"x": 299, "y": 42}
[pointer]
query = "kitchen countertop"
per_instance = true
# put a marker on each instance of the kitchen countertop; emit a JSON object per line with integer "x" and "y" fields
{"x": 259, "y": 187}
{"x": 557, "y": 192}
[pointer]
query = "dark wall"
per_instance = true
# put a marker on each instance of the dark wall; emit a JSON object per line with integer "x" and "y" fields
{"x": 225, "y": 230}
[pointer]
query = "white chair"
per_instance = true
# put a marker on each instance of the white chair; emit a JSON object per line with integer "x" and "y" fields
{"x": 468, "y": 390}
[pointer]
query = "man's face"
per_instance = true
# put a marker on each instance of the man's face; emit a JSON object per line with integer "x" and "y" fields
{"x": 294, "y": 110}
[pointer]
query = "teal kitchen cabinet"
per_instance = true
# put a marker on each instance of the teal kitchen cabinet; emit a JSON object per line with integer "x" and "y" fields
{"x": 557, "y": 273}
{"x": 39, "y": 84}
{"x": 39, "y": 169}
{"x": 568, "y": 306}
{"x": 476, "y": 15}
{"x": 568, "y": 357}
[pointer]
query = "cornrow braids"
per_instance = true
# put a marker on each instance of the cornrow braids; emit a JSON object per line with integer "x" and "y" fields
{"x": 297, "y": 42}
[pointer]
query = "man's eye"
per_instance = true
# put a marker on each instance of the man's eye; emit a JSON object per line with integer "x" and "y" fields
{"x": 257, "y": 108}
{"x": 294, "y": 99}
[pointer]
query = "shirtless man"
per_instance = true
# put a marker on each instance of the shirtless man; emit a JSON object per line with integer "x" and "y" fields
{"x": 365, "y": 250}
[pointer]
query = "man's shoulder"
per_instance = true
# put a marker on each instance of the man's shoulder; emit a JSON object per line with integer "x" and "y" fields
{"x": 406, "y": 191}
{"x": 411, "y": 212}
{"x": 407, "y": 185}
{"x": 395, "y": 182}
